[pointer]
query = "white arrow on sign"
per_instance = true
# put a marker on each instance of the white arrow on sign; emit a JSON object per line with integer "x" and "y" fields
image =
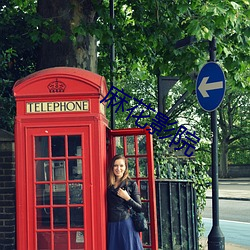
{"x": 204, "y": 86}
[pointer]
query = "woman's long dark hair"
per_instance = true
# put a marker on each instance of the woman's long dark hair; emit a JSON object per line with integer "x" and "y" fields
{"x": 111, "y": 175}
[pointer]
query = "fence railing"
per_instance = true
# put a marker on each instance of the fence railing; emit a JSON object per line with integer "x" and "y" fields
{"x": 176, "y": 210}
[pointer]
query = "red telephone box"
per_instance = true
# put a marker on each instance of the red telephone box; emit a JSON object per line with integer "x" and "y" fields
{"x": 61, "y": 160}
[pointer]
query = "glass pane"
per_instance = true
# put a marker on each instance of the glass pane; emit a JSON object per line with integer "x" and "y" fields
{"x": 145, "y": 209}
{"x": 142, "y": 144}
{"x": 46, "y": 195}
{"x": 42, "y": 170}
{"x": 58, "y": 171}
{"x": 41, "y": 146}
{"x": 76, "y": 217}
{"x": 58, "y": 146}
{"x": 119, "y": 145}
{"x": 144, "y": 190}
{"x": 146, "y": 237}
{"x": 43, "y": 218}
{"x": 61, "y": 240}
{"x": 74, "y": 145}
{"x": 43, "y": 241}
{"x": 60, "y": 217}
{"x": 75, "y": 193}
{"x": 59, "y": 194}
{"x": 77, "y": 240}
{"x": 130, "y": 145}
{"x": 131, "y": 167}
{"x": 143, "y": 164}
{"x": 40, "y": 194}
{"x": 75, "y": 169}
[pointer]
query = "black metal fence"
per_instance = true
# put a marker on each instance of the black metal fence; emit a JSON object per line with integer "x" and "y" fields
{"x": 176, "y": 210}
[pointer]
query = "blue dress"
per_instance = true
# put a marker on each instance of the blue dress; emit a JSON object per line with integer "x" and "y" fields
{"x": 122, "y": 236}
{"x": 121, "y": 232}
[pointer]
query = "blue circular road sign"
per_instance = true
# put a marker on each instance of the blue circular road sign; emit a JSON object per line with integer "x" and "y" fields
{"x": 210, "y": 86}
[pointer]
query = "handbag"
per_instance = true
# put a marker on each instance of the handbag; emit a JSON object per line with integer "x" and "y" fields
{"x": 139, "y": 221}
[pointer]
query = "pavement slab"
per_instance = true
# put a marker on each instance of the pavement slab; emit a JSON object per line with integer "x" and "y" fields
{"x": 228, "y": 246}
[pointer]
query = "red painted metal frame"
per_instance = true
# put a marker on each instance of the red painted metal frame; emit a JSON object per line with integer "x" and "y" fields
{"x": 31, "y": 185}
{"x": 80, "y": 85}
{"x": 151, "y": 178}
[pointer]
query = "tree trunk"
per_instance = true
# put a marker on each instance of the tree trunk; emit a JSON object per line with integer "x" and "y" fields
{"x": 223, "y": 167}
{"x": 75, "y": 49}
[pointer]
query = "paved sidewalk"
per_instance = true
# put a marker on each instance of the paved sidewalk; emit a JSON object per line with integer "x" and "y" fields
{"x": 242, "y": 193}
{"x": 230, "y": 194}
{"x": 228, "y": 246}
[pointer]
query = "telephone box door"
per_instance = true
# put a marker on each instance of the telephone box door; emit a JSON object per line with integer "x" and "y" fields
{"x": 59, "y": 188}
{"x": 136, "y": 145}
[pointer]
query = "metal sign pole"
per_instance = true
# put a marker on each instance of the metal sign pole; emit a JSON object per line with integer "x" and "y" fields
{"x": 216, "y": 240}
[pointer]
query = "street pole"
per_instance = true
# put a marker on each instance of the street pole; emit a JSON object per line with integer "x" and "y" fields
{"x": 216, "y": 240}
{"x": 112, "y": 61}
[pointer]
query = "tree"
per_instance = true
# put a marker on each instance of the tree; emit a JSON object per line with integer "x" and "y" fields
{"x": 17, "y": 54}
{"x": 157, "y": 25}
{"x": 69, "y": 40}
{"x": 234, "y": 117}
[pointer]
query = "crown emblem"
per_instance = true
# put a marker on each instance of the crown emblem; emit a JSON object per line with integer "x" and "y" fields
{"x": 56, "y": 86}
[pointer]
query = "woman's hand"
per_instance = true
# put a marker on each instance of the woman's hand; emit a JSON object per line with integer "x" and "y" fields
{"x": 123, "y": 194}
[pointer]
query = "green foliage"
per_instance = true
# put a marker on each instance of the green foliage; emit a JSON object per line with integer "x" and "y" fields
{"x": 145, "y": 36}
{"x": 234, "y": 122}
{"x": 184, "y": 168}
{"x": 15, "y": 29}
{"x": 7, "y": 106}
{"x": 148, "y": 30}
{"x": 17, "y": 55}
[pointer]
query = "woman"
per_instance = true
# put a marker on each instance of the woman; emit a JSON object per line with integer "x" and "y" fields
{"x": 122, "y": 195}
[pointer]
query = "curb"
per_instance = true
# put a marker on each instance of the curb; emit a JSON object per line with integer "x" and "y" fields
{"x": 243, "y": 179}
{"x": 230, "y": 198}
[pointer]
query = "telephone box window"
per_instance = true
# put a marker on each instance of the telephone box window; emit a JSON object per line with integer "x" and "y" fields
{"x": 43, "y": 218}
{"x": 77, "y": 237}
{"x": 75, "y": 193}
{"x": 144, "y": 190}
{"x": 43, "y": 241}
{"x": 60, "y": 217}
{"x": 41, "y": 146}
{"x": 74, "y": 145}
{"x": 76, "y": 217}
{"x": 58, "y": 146}
{"x": 58, "y": 171}
{"x": 59, "y": 191}
{"x": 142, "y": 144}
{"x": 60, "y": 240}
{"x": 59, "y": 194}
{"x": 143, "y": 165}
{"x": 130, "y": 145}
{"x": 75, "y": 169}
{"x": 119, "y": 145}
{"x": 146, "y": 235}
{"x": 131, "y": 167}
{"x": 41, "y": 194}
{"x": 146, "y": 209}
{"x": 42, "y": 170}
